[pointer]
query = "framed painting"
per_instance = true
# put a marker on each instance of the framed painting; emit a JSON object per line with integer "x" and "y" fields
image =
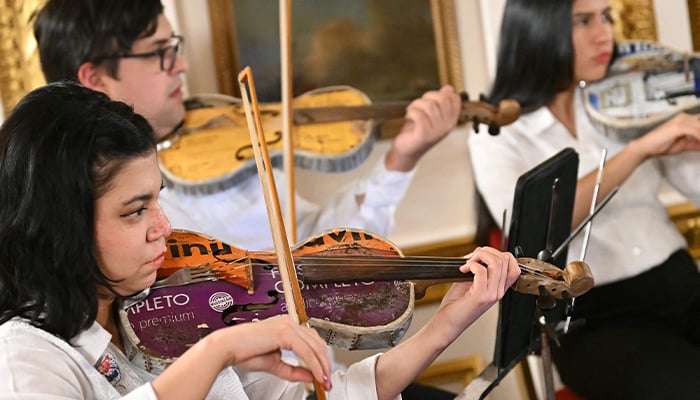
{"x": 388, "y": 49}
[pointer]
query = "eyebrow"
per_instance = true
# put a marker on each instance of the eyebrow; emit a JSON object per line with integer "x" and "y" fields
{"x": 142, "y": 197}
{"x": 589, "y": 13}
{"x": 165, "y": 39}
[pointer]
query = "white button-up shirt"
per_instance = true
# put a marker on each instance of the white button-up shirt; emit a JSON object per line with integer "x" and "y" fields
{"x": 633, "y": 232}
{"x": 238, "y": 215}
{"x": 37, "y": 365}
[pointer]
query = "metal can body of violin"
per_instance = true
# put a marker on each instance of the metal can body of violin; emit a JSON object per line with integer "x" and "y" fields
{"x": 647, "y": 85}
{"x": 352, "y": 316}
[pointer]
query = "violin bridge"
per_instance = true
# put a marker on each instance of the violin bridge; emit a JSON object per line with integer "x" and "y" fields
{"x": 249, "y": 274}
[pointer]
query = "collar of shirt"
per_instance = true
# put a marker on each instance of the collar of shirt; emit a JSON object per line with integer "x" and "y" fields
{"x": 536, "y": 122}
{"x": 92, "y": 343}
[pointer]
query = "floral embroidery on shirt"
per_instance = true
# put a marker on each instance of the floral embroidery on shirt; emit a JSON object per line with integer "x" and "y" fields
{"x": 109, "y": 368}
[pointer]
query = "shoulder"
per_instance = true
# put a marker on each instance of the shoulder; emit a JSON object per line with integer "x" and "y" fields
{"x": 18, "y": 332}
{"x": 35, "y": 361}
{"x": 527, "y": 128}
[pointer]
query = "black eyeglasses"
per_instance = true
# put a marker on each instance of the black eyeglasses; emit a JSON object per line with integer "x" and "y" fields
{"x": 167, "y": 54}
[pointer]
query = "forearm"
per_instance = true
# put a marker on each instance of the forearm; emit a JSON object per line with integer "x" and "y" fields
{"x": 400, "y": 366}
{"x": 369, "y": 204}
{"x": 182, "y": 380}
{"x": 396, "y": 160}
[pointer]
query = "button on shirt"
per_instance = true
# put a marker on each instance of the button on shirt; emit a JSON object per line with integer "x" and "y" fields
{"x": 633, "y": 232}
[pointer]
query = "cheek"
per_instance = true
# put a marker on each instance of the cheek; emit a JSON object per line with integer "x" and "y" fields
{"x": 140, "y": 92}
{"x": 114, "y": 253}
{"x": 107, "y": 255}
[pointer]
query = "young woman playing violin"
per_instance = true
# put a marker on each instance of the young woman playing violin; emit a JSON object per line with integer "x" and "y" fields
{"x": 81, "y": 227}
{"x": 642, "y": 320}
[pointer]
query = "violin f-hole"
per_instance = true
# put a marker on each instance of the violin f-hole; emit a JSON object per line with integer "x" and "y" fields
{"x": 249, "y": 147}
{"x": 227, "y": 316}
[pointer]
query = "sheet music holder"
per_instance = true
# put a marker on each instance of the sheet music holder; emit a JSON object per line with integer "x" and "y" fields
{"x": 533, "y": 209}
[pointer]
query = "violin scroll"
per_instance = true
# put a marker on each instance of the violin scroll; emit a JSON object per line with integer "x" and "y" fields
{"x": 575, "y": 279}
{"x": 481, "y": 112}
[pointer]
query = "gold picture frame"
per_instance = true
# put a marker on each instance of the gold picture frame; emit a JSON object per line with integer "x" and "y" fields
{"x": 230, "y": 29}
{"x": 634, "y": 20}
{"x": 694, "y": 16}
{"x": 20, "y": 71}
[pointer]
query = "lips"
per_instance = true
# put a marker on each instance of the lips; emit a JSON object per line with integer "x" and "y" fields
{"x": 603, "y": 58}
{"x": 158, "y": 260}
{"x": 177, "y": 93}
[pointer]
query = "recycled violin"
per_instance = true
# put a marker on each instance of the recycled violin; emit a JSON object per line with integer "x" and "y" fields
{"x": 334, "y": 131}
{"x": 358, "y": 290}
{"x": 647, "y": 84}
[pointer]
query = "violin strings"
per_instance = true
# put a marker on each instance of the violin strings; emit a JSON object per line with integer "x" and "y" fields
{"x": 231, "y": 266}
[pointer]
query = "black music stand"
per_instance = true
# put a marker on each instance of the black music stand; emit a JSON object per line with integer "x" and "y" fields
{"x": 541, "y": 220}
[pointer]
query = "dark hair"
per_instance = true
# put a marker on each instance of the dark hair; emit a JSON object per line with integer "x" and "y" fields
{"x": 535, "y": 62}
{"x": 60, "y": 148}
{"x": 535, "y": 52}
{"x": 72, "y": 32}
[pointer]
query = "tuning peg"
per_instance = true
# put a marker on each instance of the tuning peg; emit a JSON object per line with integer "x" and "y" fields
{"x": 494, "y": 129}
{"x": 464, "y": 96}
{"x": 482, "y": 97}
{"x": 475, "y": 125}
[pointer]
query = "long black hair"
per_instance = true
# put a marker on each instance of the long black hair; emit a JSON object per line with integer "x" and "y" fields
{"x": 59, "y": 150}
{"x": 535, "y": 53}
{"x": 535, "y": 62}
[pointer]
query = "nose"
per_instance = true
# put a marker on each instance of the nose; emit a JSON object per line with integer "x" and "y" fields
{"x": 180, "y": 65}
{"x": 603, "y": 31}
{"x": 161, "y": 227}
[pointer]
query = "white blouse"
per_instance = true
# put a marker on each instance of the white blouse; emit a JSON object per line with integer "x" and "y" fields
{"x": 633, "y": 232}
{"x": 37, "y": 365}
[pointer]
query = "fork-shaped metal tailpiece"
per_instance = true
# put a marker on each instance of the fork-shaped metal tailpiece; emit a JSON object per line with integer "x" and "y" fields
{"x": 183, "y": 276}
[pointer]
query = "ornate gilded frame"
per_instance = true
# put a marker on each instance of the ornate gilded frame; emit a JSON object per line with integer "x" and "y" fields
{"x": 635, "y": 19}
{"x": 228, "y": 64}
{"x": 694, "y": 16}
{"x": 20, "y": 71}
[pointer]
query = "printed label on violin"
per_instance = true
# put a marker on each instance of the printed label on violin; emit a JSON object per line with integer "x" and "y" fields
{"x": 171, "y": 319}
{"x": 241, "y": 286}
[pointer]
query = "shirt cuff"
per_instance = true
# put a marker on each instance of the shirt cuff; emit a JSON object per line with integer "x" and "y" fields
{"x": 143, "y": 392}
{"x": 358, "y": 381}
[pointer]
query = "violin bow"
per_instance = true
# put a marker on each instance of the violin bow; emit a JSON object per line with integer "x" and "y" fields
{"x": 285, "y": 7}
{"x": 288, "y": 275}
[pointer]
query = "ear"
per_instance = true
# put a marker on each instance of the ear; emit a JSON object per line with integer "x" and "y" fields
{"x": 91, "y": 76}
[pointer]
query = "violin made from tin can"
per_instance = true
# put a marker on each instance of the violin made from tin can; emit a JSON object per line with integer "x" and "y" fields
{"x": 358, "y": 289}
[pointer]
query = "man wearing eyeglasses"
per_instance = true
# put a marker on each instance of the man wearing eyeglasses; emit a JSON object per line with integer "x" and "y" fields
{"x": 128, "y": 50}
{"x": 132, "y": 58}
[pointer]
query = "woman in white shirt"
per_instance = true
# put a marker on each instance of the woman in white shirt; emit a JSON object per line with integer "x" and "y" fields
{"x": 81, "y": 227}
{"x": 642, "y": 320}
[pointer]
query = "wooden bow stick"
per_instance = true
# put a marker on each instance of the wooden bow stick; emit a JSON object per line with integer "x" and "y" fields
{"x": 285, "y": 7}
{"x": 288, "y": 274}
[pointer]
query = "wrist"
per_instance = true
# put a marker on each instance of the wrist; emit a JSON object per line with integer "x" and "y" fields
{"x": 397, "y": 161}
{"x": 219, "y": 348}
{"x": 637, "y": 150}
